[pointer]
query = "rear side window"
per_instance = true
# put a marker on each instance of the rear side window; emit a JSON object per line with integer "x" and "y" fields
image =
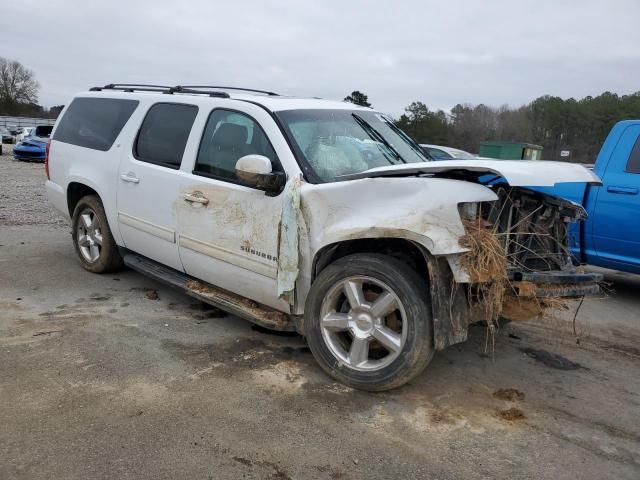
{"x": 164, "y": 133}
{"x": 633, "y": 165}
{"x": 94, "y": 122}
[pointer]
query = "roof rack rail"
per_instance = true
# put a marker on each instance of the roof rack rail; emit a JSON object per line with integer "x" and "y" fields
{"x": 181, "y": 89}
{"x": 242, "y": 89}
{"x": 140, "y": 87}
{"x": 130, "y": 87}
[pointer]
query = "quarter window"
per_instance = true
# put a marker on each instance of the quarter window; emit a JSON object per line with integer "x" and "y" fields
{"x": 227, "y": 137}
{"x": 94, "y": 122}
{"x": 633, "y": 165}
{"x": 164, "y": 133}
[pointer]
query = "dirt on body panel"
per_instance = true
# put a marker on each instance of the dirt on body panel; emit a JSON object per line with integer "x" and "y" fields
{"x": 266, "y": 316}
{"x": 236, "y": 220}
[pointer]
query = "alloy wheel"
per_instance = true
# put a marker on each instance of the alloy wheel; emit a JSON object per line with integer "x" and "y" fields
{"x": 89, "y": 235}
{"x": 363, "y": 323}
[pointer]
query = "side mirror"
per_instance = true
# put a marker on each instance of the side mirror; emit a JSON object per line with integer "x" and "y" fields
{"x": 256, "y": 171}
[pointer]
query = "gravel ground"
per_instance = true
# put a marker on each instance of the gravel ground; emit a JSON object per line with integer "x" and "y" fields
{"x": 22, "y": 196}
{"x": 115, "y": 376}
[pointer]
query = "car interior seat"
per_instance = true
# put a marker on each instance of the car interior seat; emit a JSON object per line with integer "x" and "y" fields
{"x": 228, "y": 144}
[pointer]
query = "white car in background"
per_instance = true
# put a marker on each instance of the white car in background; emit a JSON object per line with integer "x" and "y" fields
{"x": 23, "y": 132}
{"x": 438, "y": 152}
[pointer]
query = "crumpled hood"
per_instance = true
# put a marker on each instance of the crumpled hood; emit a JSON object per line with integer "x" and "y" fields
{"x": 417, "y": 209}
{"x": 518, "y": 173}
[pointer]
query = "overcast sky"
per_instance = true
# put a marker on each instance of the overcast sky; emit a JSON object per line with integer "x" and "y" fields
{"x": 439, "y": 52}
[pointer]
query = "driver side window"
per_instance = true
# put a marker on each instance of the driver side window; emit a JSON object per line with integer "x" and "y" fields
{"x": 227, "y": 137}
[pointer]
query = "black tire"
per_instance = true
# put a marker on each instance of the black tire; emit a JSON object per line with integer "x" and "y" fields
{"x": 413, "y": 294}
{"x": 108, "y": 259}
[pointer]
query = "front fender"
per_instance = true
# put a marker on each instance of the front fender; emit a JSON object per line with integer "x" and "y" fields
{"x": 423, "y": 210}
{"x": 418, "y": 209}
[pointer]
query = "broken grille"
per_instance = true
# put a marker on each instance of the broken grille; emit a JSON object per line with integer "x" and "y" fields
{"x": 532, "y": 228}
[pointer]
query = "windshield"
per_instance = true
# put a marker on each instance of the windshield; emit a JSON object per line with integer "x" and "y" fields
{"x": 340, "y": 142}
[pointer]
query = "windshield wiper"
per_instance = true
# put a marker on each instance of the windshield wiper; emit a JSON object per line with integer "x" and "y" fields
{"x": 377, "y": 135}
{"x": 412, "y": 143}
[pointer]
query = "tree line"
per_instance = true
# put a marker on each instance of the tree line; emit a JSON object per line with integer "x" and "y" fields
{"x": 556, "y": 124}
{"x": 579, "y": 126}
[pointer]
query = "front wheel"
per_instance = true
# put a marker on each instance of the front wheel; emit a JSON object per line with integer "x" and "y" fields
{"x": 368, "y": 322}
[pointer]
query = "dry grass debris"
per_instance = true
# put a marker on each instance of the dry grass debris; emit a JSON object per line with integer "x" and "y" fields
{"x": 486, "y": 263}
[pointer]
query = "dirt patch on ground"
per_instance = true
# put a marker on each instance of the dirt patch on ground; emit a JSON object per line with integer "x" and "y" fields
{"x": 284, "y": 377}
{"x": 278, "y": 471}
{"x": 509, "y": 394}
{"x": 271, "y": 366}
{"x": 152, "y": 295}
{"x": 443, "y": 416}
{"x": 511, "y": 415}
{"x": 246, "y": 353}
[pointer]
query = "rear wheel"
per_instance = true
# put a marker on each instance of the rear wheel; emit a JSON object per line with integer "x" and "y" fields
{"x": 92, "y": 237}
{"x": 368, "y": 322}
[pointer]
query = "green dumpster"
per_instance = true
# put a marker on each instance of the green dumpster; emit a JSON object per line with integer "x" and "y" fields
{"x": 511, "y": 150}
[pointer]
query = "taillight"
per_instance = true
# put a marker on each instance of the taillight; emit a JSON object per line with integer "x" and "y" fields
{"x": 46, "y": 159}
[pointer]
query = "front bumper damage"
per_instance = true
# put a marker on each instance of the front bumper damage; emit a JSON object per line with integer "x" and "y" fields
{"x": 533, "y": 230}
{"x": 555, "y": 284}
{"x": 518, "y": 264}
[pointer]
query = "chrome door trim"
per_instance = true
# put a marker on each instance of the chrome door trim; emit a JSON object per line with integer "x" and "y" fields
{"x": 228, "y": 256}
{"x": 147, "y": 227}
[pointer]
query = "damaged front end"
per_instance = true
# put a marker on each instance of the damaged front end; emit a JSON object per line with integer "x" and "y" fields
{"x": 517, "y": 261}
{"x": 518, "y": 256}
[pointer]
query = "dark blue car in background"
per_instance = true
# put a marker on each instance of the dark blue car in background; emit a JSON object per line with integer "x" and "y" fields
{"x": 33, "y": 147}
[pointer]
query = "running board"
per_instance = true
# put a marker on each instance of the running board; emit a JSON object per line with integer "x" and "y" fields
{"x": 264, "y": 316}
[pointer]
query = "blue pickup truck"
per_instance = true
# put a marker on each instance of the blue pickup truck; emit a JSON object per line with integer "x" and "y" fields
{"x": 610, "y": 236}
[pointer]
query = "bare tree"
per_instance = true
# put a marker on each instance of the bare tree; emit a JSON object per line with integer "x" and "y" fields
{"x": 18, "y": 86}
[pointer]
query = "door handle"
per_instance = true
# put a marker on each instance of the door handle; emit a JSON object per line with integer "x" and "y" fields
{"x": 196, "y": 197}
{"x": 622, "y": 190}
{"x": 129, "y": 177}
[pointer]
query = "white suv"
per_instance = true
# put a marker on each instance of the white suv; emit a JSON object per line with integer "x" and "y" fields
{"x": 302, "y": 214}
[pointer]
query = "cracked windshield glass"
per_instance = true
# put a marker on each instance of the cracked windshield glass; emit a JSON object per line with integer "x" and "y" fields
{"x": 340, "y": 142}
